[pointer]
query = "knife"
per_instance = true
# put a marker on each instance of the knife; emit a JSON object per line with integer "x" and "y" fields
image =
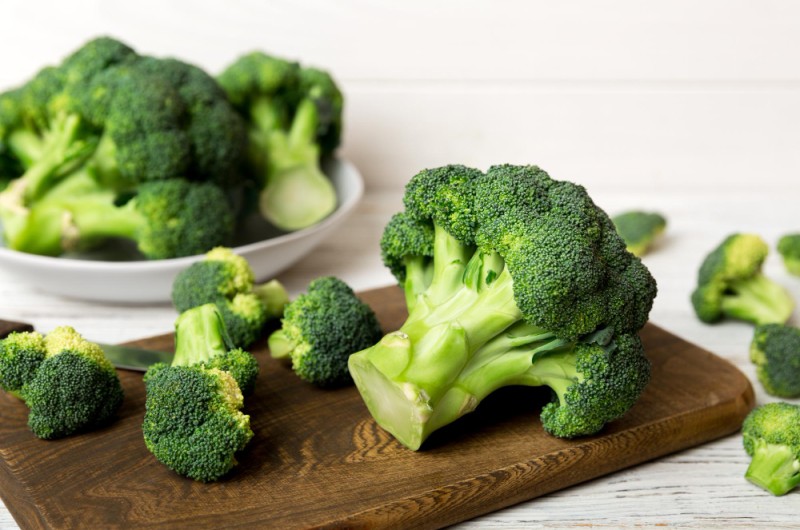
{"x": 124, "y": 357}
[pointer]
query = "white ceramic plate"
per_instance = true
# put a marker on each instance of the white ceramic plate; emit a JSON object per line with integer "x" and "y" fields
{"x": 91, "y": 277}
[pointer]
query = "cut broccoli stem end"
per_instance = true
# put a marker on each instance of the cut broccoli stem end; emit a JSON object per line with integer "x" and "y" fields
{"x": 280, "y": 345}
{"x": 297, "y": 197}
{"x": 200, "y": 335}
{"x": 759, "y": 300}
{"x": 273, "y": 297}
{"x": 774, "y": 468}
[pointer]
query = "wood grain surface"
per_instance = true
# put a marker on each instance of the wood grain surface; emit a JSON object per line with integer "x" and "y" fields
{"x": 319, "y": 460}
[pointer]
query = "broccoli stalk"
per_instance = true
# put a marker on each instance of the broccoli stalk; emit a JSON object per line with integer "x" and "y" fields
{"x": 507, "y": 292}
{"x": 771, "y": 436}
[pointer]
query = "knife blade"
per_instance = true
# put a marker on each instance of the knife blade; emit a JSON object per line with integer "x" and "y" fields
{"x": 137, "y": 359}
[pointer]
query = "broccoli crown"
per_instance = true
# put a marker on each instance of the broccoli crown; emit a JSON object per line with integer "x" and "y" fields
{"x": 321, "y": 328}
{"x": 606, "y": 383}
{"x": 293, "y": 117}
{"x": 202, "y": 339}
{"x": 193, "y": 422}
{"x": 730, "y": 283}
{"x": 789, "y": 249}
{"x": 66, "y": 381}
{"x": 21, "y": 354}
{"x": 511, "y": 277}
{"x": 224, "y": 279}
{"x": 771, "y": 435}
{"x": 775, "y": 350}
{"x": 639, "y": 229}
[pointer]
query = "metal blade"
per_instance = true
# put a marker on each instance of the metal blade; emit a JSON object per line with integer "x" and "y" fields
{"x": 137, "y": 359}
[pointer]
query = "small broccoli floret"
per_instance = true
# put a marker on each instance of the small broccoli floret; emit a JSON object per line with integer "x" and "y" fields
{"x": 775, "y": 350}
{"x": 225, "y": 279}
{"x": 789, "y": 249}
{"x": 294, "y": 117}
{"x": 639, "y": 229}
{"x": 511, "y": 278}
{"x": 772, "y": 437}
{"x": 66, "y": 381}
{"x": 730, "y": 284}
{"x": 193, "y": 422}
{"x": 321, "y": 328}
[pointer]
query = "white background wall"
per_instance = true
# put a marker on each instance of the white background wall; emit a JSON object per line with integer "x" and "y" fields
{"x": 679, "y": 95}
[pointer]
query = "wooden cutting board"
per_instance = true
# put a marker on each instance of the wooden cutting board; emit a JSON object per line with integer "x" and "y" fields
{"x": 319, "y": 460}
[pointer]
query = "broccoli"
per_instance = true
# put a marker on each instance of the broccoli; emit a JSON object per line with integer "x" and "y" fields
{"x": 124, "y": 120}
{"x": 775, "y": 350}
{"x": 772, "y": 437}
{"x": 294, "y": 117}
{"x": 164, "y": 218}
{"x": 730, "y": 284}
{"x": 525, "y": 282}
{"x": 193, "y": 422}
{"x": 66, "y": 382}
{"x": 789, "y": 249}
{"x": 320, "y": 330}
{"x": 225, "y": 279}
{"x": 639, "y": 230}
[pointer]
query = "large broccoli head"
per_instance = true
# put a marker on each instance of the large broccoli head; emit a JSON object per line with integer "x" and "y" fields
{"x": 511, "y": 277}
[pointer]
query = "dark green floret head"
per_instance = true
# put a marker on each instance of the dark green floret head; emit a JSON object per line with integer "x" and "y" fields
{"x": 74, "y": 388}
{"x": 789, "y": 249}
{"x": 193, "y": 422}
{"x": 771, "y": 436}
{"x": 321, "y": 328}
{"x": 21, "y": 354}
{"x": 775, "y": 350}
{"x": 730, "y": 284}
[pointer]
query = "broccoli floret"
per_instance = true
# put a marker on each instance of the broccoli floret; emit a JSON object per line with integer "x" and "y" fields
{"x": 789, "y": 249}
{"x": 66, "y": 381}
{"x": 639, "y": 229}
{"x": 294, "y": 117}
{"x": 225, "y": 279}
{"x": 126, "y": 120}
{"x": 165, "y": 218}
{"x": 772, "y": 437}
{"x": 775, "y": 350}
{"x": 193, "y": 422}
{"x": 321, "y": 328}
{"x": 730, "y": 284}
{"x": 524, "y": 280}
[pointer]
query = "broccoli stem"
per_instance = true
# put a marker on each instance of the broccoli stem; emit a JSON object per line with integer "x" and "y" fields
{"x": 280, "y": 346}
{"x": 758, "y": 299}
{"x": 774, "y": 468}
{"x": 297, "y": 194}
{"x": 200, "y": 335}
{"x": 419, "y": 273}
{"x": 26, "y": 146}
{"x": 273, "y": 297}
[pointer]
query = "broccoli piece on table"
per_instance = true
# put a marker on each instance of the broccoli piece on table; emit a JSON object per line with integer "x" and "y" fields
{"x": 66, "y": 381}
{"x": 225, "y": 279}
{"x": 512, "y": 278}
{"x": 772, "y": 437}
{"x": 193, "y": 422}
{"x": 730, "y": 284}
{"x": 775, "y": 350}
{"x": 789, "y": 249}
{"x": 639, "y": 229}
{"x": 321, "y": 328}
{"x": 294, "y": 116}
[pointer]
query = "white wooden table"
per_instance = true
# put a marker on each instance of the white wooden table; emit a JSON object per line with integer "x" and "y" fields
{"x": 690, "y": 108}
